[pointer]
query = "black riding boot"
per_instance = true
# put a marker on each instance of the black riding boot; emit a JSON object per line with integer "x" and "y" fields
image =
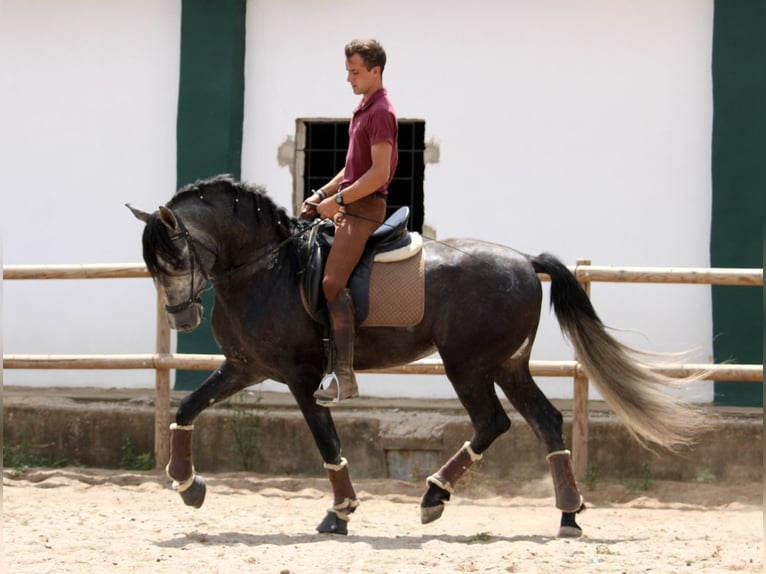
{"x": 342, "y": 381}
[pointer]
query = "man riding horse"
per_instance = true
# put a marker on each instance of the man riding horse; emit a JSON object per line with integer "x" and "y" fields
{"x": 355, "y": 199}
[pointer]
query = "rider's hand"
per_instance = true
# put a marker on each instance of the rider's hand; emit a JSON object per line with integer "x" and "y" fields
{"x": 328, "y": 208}
{"x": 309, "y": 207}
{"x": 308, "y": 211}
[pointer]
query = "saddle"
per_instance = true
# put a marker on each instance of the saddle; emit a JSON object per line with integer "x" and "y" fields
{"x": 390, "y": 243}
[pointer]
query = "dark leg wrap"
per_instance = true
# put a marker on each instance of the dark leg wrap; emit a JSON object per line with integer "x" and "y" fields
{"x": 568, "y": 497}
{"x": 180, "y": 468}
{"x": 344, "y": 503}
{"x": 442, "y": 484}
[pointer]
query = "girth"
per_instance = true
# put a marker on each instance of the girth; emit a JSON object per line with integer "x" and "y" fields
{"x": 390, "y": 236}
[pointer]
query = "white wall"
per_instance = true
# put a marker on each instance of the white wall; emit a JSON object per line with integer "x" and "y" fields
{"x": 88, "y": 115}
{"x": 579, "y": 128}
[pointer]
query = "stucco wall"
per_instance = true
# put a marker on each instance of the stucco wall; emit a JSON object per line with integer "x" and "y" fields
{"x": 581, "y": 129}
{"x": 89, "y": 97}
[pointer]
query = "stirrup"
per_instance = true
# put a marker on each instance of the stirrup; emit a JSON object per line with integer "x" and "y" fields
{"x": 321, "y": 395}
{"x": 327, "y": 383}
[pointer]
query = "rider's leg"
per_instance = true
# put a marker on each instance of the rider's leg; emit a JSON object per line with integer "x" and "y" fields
{"x": 353, "y": 226}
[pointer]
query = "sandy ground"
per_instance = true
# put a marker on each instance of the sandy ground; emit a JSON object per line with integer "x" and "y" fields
{"x": 75, "y": 520}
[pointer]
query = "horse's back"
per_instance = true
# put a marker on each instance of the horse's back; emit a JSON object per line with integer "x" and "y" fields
{"x": 468, "y": 261}
{"x": 480, "y": 293}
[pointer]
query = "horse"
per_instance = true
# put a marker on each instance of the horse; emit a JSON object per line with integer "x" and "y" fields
{"x": 481, "y": 313}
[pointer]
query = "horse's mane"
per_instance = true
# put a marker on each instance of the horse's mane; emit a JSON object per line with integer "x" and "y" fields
{"x": 157, "y": 242}
{"x": 157, "y": 245}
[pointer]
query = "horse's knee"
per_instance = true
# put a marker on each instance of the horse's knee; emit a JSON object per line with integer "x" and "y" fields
{"x": 485, "y": 434}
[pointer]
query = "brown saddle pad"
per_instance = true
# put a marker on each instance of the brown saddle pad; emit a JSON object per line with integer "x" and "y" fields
{"x": 397, "y": 293}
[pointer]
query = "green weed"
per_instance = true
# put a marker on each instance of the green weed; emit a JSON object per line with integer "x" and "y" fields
{"x": 644, "y": 483}
{"x": 480, "y": 538}
{"x": 705, "y": 477}
{"x": 21, "y": 457}
{"x": 132, "y": 461}
{"x": 591, "y": 476}
{"x": 246, "y": 428}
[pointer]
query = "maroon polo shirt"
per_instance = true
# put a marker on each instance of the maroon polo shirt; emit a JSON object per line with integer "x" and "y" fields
{"x": 374, "y": 121}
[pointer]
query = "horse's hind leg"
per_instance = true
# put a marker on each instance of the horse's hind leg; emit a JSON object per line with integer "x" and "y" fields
{"x": 547, "y": 423}
{"x": 477, "y": 394}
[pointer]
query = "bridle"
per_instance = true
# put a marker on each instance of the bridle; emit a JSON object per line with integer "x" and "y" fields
{"x": 191, "y": 243}
{"x": 266, "y": 253}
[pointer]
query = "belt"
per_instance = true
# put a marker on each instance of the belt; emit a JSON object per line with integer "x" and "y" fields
{"x": 380, "y": 194}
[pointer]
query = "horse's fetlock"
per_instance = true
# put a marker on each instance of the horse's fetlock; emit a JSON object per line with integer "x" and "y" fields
{"x": 435, "y": 496}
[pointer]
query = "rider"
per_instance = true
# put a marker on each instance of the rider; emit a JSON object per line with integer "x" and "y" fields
{"x": 355, "y": 199}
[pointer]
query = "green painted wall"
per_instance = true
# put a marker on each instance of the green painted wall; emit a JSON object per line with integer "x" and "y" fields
{"x": 210, "y": 117}
{"x": 739, "y": 185}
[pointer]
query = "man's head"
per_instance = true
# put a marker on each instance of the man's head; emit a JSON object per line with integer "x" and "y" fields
{"x": 365, "y": 60}
{"x": 371, "y": 52}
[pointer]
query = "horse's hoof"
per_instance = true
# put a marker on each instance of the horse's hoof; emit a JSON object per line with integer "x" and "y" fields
{"x": 333, "y": 525}
{"x": 570, "y": 532}
{"x": 430, "y": 514}
{"x": 568, "y": 528}
{"x": 195, "y": 494}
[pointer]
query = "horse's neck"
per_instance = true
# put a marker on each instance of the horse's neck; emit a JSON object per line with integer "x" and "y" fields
{"x": 240, "y": 249}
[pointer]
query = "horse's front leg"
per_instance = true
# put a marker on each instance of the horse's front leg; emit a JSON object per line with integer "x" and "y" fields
{"x": 326, "y": 438}
{"x": 223, "y": 383}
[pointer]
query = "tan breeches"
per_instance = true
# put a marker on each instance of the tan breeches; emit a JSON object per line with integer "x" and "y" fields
{"x": 354, "y": 224}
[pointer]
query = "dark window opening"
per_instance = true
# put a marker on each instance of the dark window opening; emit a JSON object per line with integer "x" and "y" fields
{"x": 325, "y": 148}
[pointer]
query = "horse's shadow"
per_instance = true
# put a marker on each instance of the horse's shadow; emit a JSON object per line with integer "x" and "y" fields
{"x": 378, "y": 542}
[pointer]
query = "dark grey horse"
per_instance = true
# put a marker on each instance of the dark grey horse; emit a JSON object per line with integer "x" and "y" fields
{"x": 482, "y": 310}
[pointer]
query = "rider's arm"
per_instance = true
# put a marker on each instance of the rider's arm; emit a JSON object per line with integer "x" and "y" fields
{"x": 375, "y": 177}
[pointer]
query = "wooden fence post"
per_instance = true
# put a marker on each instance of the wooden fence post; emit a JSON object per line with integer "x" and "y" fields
{"x": 580, "y": 404}
{"x": 162, "y": 388}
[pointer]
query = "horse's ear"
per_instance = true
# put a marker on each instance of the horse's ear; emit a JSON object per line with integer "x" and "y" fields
{"x": 168, "y": 218}
{"x": 140, "y": 215}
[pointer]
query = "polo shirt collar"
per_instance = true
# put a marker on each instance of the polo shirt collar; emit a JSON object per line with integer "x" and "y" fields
{"x": 381, "y": 93}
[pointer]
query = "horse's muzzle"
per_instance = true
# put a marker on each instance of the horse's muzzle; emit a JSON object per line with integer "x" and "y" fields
{"x": 186, "y": 320}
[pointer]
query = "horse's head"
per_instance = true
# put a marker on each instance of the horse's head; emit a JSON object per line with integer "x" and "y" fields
{"x": 215, "y": 227}
{"x": 177, "y": 265}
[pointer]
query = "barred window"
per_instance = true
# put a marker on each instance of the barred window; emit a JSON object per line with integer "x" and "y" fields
{"x": 321, "y": 153}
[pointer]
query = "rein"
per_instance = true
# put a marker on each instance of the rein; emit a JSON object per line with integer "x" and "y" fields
{"x": 265, "y": 253}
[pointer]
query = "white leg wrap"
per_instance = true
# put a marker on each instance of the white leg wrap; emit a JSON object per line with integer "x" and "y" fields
{"x": 345, "y": 508}
{"x": 550, "y": 455}
{"x": 471, "y": 453}
{"x": 436, "y": 480}
{"x": 175, "y": 426}
{"x": 183, "y": 486}
{"x": 336, "y": 467}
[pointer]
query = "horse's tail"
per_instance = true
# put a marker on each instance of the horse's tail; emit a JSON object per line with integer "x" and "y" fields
{"x": 637, "y": 394}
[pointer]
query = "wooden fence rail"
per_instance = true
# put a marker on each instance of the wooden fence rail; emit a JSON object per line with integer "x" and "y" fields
{"x": 162, "y": 360}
